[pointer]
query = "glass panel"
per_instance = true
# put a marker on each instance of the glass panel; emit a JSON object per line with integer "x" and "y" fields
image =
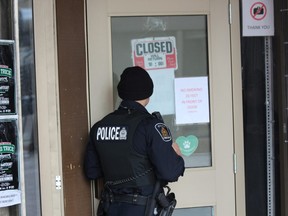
{"x": 27, "y": 76}
{"x": 9, "y": 142}
{"x": 173, "y": 49}
{"x": 6, "y": 20}
{"x": 29, "y": 117}
{"x": 8, "y": 130}
{"x": 199, "y": 211}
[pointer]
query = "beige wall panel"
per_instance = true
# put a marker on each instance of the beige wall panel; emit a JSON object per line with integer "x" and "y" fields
{"x": 48, "y": 107}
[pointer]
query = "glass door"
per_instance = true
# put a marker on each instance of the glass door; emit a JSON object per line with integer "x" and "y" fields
{"x": 173, "y": 49}
{"x": 185, "y": 47}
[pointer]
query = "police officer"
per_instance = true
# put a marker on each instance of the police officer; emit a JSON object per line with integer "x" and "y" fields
{"x": 131, "y": 149}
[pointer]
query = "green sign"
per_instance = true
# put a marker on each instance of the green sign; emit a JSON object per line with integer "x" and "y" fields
{"x": 187, "y": 145}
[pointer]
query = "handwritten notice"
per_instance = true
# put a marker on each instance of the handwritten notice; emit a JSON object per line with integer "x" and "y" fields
{"x": 191, "y": 100}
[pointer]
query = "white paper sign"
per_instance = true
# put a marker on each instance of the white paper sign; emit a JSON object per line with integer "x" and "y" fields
{"x": 192, "y": 100}
{"x": 258, "y": 17}
{"x": 162, "y": 99}
{"x": 9, "y": 198}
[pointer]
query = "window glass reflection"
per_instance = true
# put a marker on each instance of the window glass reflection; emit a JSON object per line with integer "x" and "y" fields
{"x": 6, "y": 20}
{"x": 30, "y": 141}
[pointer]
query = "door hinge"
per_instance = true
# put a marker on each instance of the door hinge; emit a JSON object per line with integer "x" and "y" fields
{"x": 230, "y": 13}
{"x": 58, "y": 182}
{"x": 234, "y": 163}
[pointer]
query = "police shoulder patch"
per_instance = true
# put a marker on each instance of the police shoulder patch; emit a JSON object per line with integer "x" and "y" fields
{"x": 163, "y": 131}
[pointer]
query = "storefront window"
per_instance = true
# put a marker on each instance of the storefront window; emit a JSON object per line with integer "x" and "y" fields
{"x": 18, "y": 148}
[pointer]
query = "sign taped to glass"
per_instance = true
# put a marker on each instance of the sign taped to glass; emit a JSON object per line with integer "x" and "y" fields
{"x": 9, "y": 176}
{"x": 7, "y": 80}
{"x": 154, "y": 53}
{"x": 9, "y": 181}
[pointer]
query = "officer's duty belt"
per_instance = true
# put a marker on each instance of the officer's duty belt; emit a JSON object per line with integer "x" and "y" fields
{"x": 130, "y": 198}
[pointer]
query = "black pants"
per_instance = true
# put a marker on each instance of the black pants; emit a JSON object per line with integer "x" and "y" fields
{"x": 125, "y": 209}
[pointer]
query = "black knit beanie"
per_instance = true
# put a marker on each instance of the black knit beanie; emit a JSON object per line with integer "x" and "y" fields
{"x": 135, "y": 84}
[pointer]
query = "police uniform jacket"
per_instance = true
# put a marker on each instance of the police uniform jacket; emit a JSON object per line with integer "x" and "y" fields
{"x": 151, "y": 139}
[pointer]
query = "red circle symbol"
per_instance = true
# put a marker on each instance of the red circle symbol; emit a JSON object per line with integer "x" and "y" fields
{"x": 258, "y": 11}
